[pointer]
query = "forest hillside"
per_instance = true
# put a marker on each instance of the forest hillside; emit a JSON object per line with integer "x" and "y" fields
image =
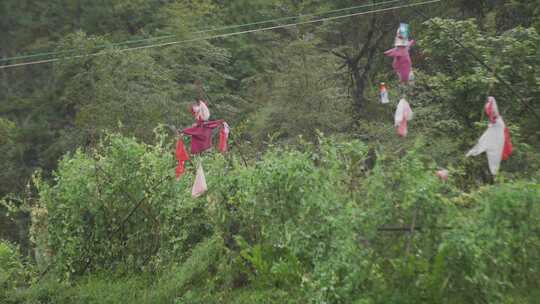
{"x": 270, "y": 151}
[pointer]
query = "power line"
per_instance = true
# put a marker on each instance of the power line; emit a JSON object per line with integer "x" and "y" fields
{"x": 208, "y": 30}
{"x": 300, "y": 16}
{"x": 26, "y": 56}
{"x": 225, "y": 35}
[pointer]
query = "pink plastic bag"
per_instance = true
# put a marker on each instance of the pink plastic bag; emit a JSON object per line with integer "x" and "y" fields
{"x": 199, "y": 186}
{"x": 443, "y": 174}
{"x": 402, "y": 116}
{"x": 402, "y": 63}
{"x": 223, "y": 138}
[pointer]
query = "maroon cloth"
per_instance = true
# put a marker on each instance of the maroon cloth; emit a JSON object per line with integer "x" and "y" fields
{"x": 201, "y": 135}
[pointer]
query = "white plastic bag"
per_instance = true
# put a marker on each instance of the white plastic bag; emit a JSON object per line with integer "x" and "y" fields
{"x": 491, "y": 142}
{"x": 200, "y": 111}
{"x": 495, "y": 141}
{"x": 403, "y": 114}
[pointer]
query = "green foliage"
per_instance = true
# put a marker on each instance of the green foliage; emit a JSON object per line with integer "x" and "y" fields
{"x": 118, "y": 206}
{"x": 14, "y": 272}
{"x": 302, "y": 96}
{"x": 122, "y": 91}
{"x": 518, "y": 13}
{"x": 464, "y": 83}
{"x": 493, "y": 252}
{"x": 9, "y": 172}
{"x": 314, "y": 224}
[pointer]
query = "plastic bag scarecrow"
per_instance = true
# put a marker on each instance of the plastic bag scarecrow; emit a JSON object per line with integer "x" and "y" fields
{"x": 201, "y": 131}
{"x": 402, "y": 116}
{"x": 201, "y": 140}
{"x": 495, "y": 141}
{"x": 402, "y": 63}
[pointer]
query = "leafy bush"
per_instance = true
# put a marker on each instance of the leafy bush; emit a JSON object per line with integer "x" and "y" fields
{"x": 13, "y": 270}
{"x": 327, "y": 222}
{"x": 493, "y": 251}
{"x": 120, "y": 208}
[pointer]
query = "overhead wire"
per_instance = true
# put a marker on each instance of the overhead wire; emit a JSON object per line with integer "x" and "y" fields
{"x": 208, "y": 30}
{"x": 43, "y": 54}
{"x": 371, "y": 4}
{"x": 226, "y": 34}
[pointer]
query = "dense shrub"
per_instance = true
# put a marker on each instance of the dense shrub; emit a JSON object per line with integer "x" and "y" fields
{"x": 494, "y": 249}
{"x": 327, "y": 222}
{"x": 119, "y": 207}
{"x": 14, "y": 273}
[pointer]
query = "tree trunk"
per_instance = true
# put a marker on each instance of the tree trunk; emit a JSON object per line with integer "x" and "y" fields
{"x": 359, "y": 86}
{"x": 360, "y": 62}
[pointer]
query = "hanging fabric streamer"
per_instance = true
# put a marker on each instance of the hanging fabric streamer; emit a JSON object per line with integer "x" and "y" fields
{"x": 403, "y": 114}
{"x": 224, "y": 137}
{"x": 181, "y": 156}
{"x": 384, "y": 93}
{"x": 402, "y": 63}
{"x": 495, "y": 141}
{"x": 508, "y": 147}
{"x": 199, "y": 186}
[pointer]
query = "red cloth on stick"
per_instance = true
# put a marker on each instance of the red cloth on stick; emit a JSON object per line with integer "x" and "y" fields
{"x": 223, "y": 138}
{"x": 180, "y": 169}
{"x": 402, "y": 129}
{"x": 181, "y": 157}
{"x": 508, "y": 148}
{"x": 201, "y": 135}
